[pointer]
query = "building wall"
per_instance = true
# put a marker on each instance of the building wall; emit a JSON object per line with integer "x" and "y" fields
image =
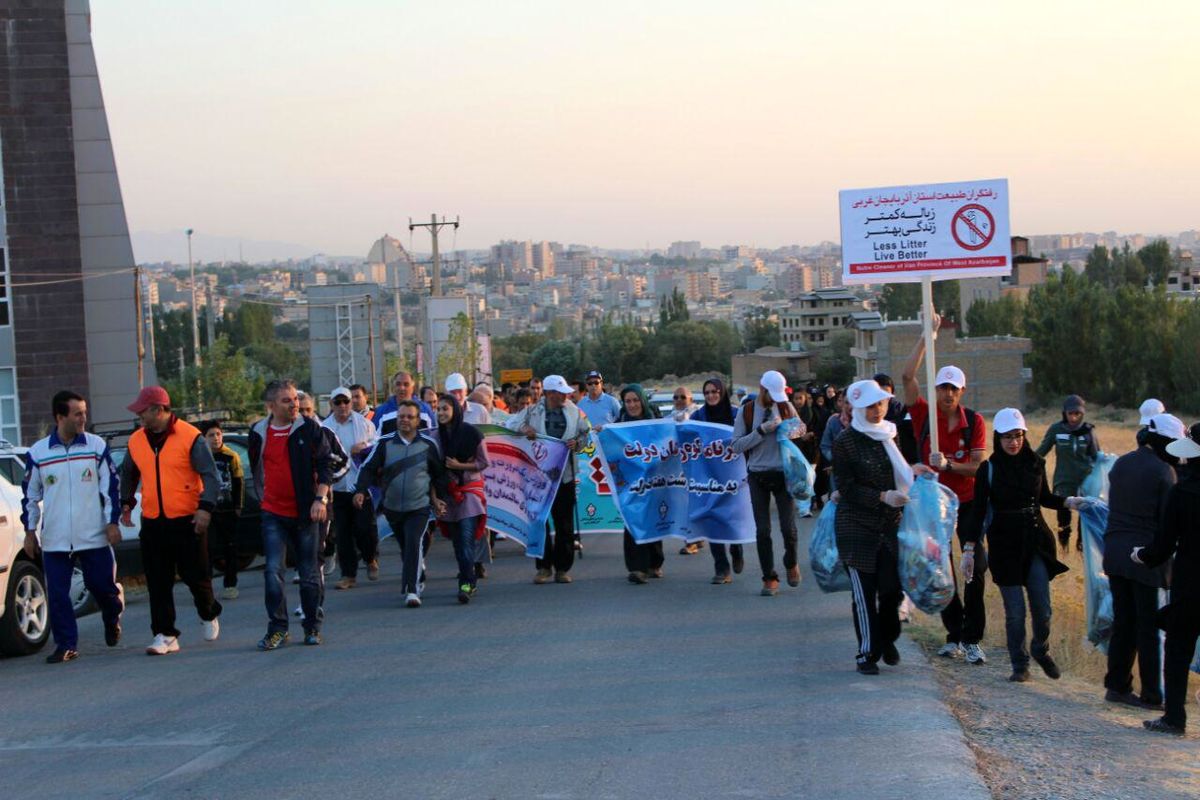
{"x": 42, "y": 228}
{"x": 748, "y": 368}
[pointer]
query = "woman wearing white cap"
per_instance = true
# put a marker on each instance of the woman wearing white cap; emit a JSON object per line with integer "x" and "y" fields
{"x": 754, "y": 437}
{"x": 1011, "y": 488}
{"x": 873, "y": 480}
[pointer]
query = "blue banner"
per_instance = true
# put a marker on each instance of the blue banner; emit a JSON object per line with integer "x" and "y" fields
{"x": 678, "y": 479}
{"x": 596, "y": 509}
{"x": 520, "y": 482}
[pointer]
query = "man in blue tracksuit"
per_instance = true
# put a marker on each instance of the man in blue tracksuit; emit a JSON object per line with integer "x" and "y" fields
{"x": 402, "y": 390}
{"x": 71, "y": 488}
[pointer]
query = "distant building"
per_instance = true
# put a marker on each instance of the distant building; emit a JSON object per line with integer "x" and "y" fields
{"x": 345, "y": 336}
{"x": 796, "y": 366}
{"x": 1027, "y": 272}
{"x": 684, "y": 250}
{"x": 736, "y": 252}
{"x": 994, "y": 365}
{"x": 795, "y": 281}
{"x": 543, "y": 258}
{"x": 514, "y": 255}
{"x": 813, "y": 319}
{"x": 1184, "y": 282}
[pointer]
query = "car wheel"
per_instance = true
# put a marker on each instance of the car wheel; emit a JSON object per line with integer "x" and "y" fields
{"x": 26, "y": 622}
{"x": 82, "y": 602}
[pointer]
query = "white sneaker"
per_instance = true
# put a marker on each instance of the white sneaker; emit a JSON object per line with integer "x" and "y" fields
{"x": 951, "y": 650}
{"x": 162, "y": 645}
{"x": 975, "y": 654}
{"x": 412, "y": 601}
{"x": 212, "y": 629}
{"x": 295, "y": 577}
{"x": 229, "y": 593}
{"x": 299, "y": 612}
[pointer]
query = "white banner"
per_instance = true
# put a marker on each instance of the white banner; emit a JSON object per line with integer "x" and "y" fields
{"x": 901, "y": 234}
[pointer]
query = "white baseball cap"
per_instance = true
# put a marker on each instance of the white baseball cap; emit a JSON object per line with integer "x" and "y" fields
{"x": 340, "y": 391}
{"x": 775, "y": 384}
{"x": 863, "y": 394}
{"x": 1008, "y": 420}
{"x": 1149, "y": 409}
{"x": 1167, "y": 425}
{"x": 1188, "y": 448}
{"x": 951, "y": 375}
{"x": 454, "y": 381}
{"x": 556, "y": 383}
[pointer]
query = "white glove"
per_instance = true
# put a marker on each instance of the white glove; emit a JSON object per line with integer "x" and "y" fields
{"x": 1076, "y": 503}
{"x": 968, "y": 565}
{"x": 1136, "y": 555}
{"x": 937, "y": 461}
{"x": 894, "y": 498}
{"x": 835, "y": 497}
{"x": 770, "y": 425}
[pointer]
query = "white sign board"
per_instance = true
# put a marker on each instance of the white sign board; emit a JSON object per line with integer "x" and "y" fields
{"x": 902, "y": 234}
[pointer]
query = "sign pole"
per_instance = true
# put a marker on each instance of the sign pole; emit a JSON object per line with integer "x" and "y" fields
{"x": 930, "y": 365}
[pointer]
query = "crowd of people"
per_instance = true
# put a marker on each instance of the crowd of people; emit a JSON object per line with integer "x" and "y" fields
{"x": 417, "y": 460}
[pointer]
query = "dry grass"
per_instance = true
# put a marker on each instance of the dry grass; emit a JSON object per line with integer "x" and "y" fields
{"x": 1116, "y": 431}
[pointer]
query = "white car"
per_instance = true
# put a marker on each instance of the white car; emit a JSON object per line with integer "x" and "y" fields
{"x": 24, "y": 606}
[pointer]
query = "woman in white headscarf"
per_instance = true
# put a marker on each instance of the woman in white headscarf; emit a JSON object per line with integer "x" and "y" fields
{"x": 873, "y": 480}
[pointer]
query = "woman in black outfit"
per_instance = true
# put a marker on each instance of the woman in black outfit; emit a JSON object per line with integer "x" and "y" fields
{"x": 719, "y": 408}
{"x": 1012, "y": 487}
{"x": 644, "y": 561}
{"x": 873, "y": 480}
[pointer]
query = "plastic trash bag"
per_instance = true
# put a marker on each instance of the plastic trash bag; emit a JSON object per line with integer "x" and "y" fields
{"x": 1096, "y": 483}
{"x": 799, "y": 475}
{"x": 823, "y": 558}
{"x": 1196, "y": 660}
{"x": 1098, "y": 603}
{"x": 926, "y": 530}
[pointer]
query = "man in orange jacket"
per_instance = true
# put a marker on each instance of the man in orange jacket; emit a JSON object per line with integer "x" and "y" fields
{"x": 172, "y": 462}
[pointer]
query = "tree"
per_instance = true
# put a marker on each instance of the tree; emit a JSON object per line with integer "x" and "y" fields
{"x": 673, "y": 308}
{"x": 617, "y": 349}
{"x": 516, "y": 352}
{"x": 226, "y": 379}
{"x": 555, "y": 358}
{"x": 835, "y": 364}
{"x": 253, "y": 323}
{"x": 903, "y": 300}
{"x": 1066, "y": 318}
{"x": 760, "y": 331}
{"x": 1098, "y": 268}
{"x": 460, "y": 353}
{"x": 1005, "y": 316}
{"x": 1156, "y": 257}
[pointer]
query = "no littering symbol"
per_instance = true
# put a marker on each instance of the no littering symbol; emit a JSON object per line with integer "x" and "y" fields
{"x": 973, "y": 227}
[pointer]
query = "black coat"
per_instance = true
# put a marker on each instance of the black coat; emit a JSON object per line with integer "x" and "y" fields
{"x": 1015, "y": 489}
{"x": 863, "y": 523}
{"x": 1180, "y": 534}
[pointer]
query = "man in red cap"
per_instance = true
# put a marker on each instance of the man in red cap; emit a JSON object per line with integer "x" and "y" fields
{"x": 172, "y": 462}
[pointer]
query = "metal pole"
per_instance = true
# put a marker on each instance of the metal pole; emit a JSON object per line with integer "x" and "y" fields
{"x": 930, "y": 366}
{"x": 396, "y": 307}
{"x": 195, "y": 319}
{"x": 437, "y": 263}
{"x": 371, "y": 346}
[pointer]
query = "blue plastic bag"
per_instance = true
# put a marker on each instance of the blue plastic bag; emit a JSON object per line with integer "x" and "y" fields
{"x": 1098, "y": 603}
{"x": 926, "y": 531}
{"x": 1096, "y": 483}
{"x": 799, "y": 475}
{"x": 1196, "y": 660}
{"x": 823, "y": 558}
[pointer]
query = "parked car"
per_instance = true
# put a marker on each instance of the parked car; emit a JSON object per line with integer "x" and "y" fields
{"x": 665, "y": 401}
{"x": 24, "y": 607}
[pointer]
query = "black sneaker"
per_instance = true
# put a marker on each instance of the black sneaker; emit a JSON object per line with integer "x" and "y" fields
{"x": 313, "y": 639}
{"x": 480, "y": 572}
{"x": 739, "y": 564}
{"x": 112, "y": 633}
{"x": 273, "y": 641}
{"x": 1161, "y": 725}
{"x": 1124, "y": 698}
{"x": 891, "y": 656}
{"x": 62, "y": 655}
{"x": 1048, "y": 666}
{"x": 1019, "y": 676}
{"x": 464, "y": 593}
{"x": 867, "y": 668}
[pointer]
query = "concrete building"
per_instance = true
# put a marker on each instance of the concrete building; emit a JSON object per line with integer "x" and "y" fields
{"x": 1028, "y": 271}
{"x": 345, "y": 337}
{"x": 543, "y": 259}
{"x": 514, "y": 255}
{"x": 796, "y": 280}
{"x": 994, "y": 365}
{"x": 1183, "y": 282}
{"x": 816, "y": 316}
{"x": 796, "y": 366}
{"x": 684, "y": 250}
{"x": 62, "y": 227}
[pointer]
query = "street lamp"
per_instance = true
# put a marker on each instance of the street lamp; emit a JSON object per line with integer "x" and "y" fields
{"x": 195, "y": 319}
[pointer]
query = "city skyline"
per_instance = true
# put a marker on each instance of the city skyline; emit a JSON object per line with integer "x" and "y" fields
{"x": 631, "y": 127}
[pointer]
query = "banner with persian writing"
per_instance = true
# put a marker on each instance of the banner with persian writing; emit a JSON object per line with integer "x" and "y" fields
{"x": 520, "y": 482}
{"x": 678, "y": 479}
{"x": 596, "y": 510}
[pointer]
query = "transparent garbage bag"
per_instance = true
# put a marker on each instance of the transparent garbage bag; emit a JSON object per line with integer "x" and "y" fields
{"x": 1093, "y": 518}
{"x": 823, "y": 558}
{"x": 1096, "y": 483}
{"x": 926, "y": 531}
{"x": 799, "y": 475}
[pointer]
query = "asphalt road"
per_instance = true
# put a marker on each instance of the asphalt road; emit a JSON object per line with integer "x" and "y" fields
{"x": 598, "y": 689}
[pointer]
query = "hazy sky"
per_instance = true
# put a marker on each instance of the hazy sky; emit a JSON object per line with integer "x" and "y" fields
{"x": 623, "y": 124}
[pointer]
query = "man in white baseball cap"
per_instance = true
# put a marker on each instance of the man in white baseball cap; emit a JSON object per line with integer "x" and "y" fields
{"x": 962, "y": 444}
{"x": 1146, "y": 412}
{"x": 474, "y": 413}
{"x": 1138, "y": 487}
{"x": 557, "y": 417}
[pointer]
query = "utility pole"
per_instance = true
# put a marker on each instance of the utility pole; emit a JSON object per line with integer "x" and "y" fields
{"x": 195, "y": 318}
{"x": 395, "y": 304}
{"x": 210, "y": 316}
{"x": 435, "y": 228}
{"x": 371, "y": 347}
{"x": 141, "y": 343}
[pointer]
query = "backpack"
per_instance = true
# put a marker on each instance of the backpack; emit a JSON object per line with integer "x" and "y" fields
{"x": 972, "y": 418}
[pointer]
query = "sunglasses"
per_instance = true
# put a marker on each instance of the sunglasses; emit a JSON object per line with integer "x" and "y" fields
{"x": 340, "y": 401}
{"x": 593, "y": 383}
{"x": 681, "y": 397}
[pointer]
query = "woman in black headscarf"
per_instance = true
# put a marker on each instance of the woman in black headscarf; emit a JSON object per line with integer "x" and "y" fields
{"x": 465, "y": 520}
{"x": 644, "y": 561}
{"x": 719, "y": 408}
{"x": 1010, "y": 491}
